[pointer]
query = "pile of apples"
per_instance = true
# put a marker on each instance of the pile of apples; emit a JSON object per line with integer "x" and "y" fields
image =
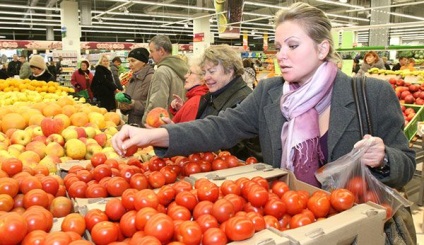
{"x": 408, "y": 113}
{"x": 408, "y": 93}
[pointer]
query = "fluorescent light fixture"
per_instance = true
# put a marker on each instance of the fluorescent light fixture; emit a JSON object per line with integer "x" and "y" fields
{"x": 387, "y": 6}
{"x": 2, "y": 36}
{"x": 265, "y": 5}
{"x": 343, "y": 1}
{"x": 406, "y": 16}
{"x": 347, "y": 17}
{"x": 129, "y": 40}
{"x": 341, "y": 4}
{"x": 3, "y": 6}
{"x": 32, "y": 14}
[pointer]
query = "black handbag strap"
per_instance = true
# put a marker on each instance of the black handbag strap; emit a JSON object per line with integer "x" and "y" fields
{"x": 363, "y": 95}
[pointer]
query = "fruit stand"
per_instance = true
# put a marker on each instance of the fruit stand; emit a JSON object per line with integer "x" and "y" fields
{"x": 61, "y": 181}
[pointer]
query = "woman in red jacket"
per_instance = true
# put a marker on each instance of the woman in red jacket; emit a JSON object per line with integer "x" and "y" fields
{"x": 195, "y": 86}
{"x": 81, "y": 78}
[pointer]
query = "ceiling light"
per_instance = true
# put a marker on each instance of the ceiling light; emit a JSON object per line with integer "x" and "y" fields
{"x": 343, "y": 1}
{"x": 129, "y": 40}
{"x": 2, "y": 36}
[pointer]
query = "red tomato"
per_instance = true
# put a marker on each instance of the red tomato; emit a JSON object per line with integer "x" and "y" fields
{"x": 95, "y": 190}
{"x": 13, "y": 228}
{"x": 28, "y": 183}
{"x": 156, "y": 179}
{"x": 128, "y": 198}
{"x": 219, "y": 164}
{"x": 74, "y": 222}
{"x": 9, "y": 186}
{"x": 271, "y": 221}
{"x": 11, "y": 166}
{"x": 182, "y": 185}
{"x": 104, "y": 232}
{"x": 224, "y": 154}
{"x": 77, "y": 189}
{"x": 208, "y": 156}
{"x": 101, "y": 171}
{"x": 257, "y": 220}
{"x": 116, "y": 186}
{"x": 237, "y": 201}
{"x": 128, "y": 171}
{"x": 139, "y": 181}
{"x": 389, "y": 210}
{"x": 214, "y": 236}
{"x": 151, "y": 240}
{"x": 156, "y": 163}
{"x": 279, "y": 187}
{"x": 248, "y": 207}
{"x": 98, "y": 158}
{"x": 191, "y": 168}
{"x": 342, "y": 199}
{"x": 57, "y": 238}
{"x": 178, "y": 212}
{"x": 258, "y": 196}
{"x": 229, "y": 186}
{"x": 36, "y": 197}
{"x": 222, "y": 210}
{"x": 142, "y": 216}
{"x": 50, "y": 184}
{"x": 208, "y": 192}
{"x": 93, "y": 217}
{"x": 203, "y": 207}
{"x": 127, "y": 223}
{"x": 293, "y": 201}
{"x": 36, "y": 220}
{"x": 239, "y": 228}
{"x": 169, "y": 174}
{"x": 160, "y": 226}
{"x": 186, "y": 199}
{"x": 61, "y": 206}
{"x": 75, "y": 168}
{"x": 84, "y": 175}
{"x": 357, "y": 186}
{"x": 371, "y": 196}
{"x": 232, "y": 161}
{"x": 145, "y": 198}
{"x": 299, "y": 220}
{"x": 319, "y": 205}
{"x": 205, "y": 166}
{"x": 207, "y": 221}
{"x": 166, "y": 195}
{"x": 251, "y": 160}
{"x": 284, "y": 222}
{"x": 304, "y": 197}
{"x": 275, "y": 207}
{"x": 114, "y": 209}
{"x": 112, "y": 163}
{"x": 34, "y": 237}
{"x": 189, "y": 233}
{"x": 6, "y": 202}
{"x": 261, "y": 181}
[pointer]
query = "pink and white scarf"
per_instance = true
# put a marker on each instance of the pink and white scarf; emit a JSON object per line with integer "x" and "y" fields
{"x": 301, "y": 106}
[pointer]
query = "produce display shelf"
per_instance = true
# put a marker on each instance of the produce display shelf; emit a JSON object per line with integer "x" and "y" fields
{"x": 411, "y": 129}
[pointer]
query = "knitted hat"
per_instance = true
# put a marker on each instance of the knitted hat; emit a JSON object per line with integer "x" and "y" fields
{"x": 140, "y": 54}
{"x": 38, "y": 61}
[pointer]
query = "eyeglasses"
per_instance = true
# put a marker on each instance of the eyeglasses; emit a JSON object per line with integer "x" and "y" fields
{"x": 191, "y": 72}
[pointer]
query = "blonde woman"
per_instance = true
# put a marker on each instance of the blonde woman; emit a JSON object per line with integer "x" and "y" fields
{"x": 103, "y": 86}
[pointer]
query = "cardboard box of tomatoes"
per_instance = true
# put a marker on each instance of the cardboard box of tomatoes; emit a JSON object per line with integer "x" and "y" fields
{"x": 362, "y": 224}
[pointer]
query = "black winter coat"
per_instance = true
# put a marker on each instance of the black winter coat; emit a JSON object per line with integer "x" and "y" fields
{"x": 104, "y": 88}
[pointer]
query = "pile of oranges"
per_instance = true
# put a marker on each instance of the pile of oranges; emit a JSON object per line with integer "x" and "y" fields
{"x": 20, "y": 85}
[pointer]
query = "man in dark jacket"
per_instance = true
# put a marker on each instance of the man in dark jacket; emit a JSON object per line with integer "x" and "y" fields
{"x": 402, "y": 61}
{"x": 14, "y": 66}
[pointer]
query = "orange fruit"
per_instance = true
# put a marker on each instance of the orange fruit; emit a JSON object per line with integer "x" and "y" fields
{"x": 36, "y": 119}
{"x": 113, "y": 116}
{"x": 62, "y": 101}
{"x": 13, "y": 120}
{"x": 51, "y": 109}
{"x": 69, "y": 110}
{"x": 79, "y": 119}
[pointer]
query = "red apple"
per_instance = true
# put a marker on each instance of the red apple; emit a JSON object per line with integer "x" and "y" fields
{"x": 81, "y": 132}
{"x": 154, "y": 117}
{"x": 409, "y": 99}
{"x": 404, "y": 94}
{"x": 400, "y": 82}
{"x": 51, "y": 126}
{"x": 414, "y": 88}
{"x": 101, "y": 139}
{"x": 419, "y": 101}
{"x": 392, "y": 80}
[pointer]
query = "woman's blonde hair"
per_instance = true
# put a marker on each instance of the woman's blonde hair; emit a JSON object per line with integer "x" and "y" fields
{"x": 314, "y": 22}
{"x": 226, "y": 56}
{"x": 99, "y": 62}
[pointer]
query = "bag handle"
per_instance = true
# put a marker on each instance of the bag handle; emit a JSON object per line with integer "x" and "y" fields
{"x": 364, "y": 102}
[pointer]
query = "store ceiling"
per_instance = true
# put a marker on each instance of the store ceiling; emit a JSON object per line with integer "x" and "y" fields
{"x": 121, "y": 20}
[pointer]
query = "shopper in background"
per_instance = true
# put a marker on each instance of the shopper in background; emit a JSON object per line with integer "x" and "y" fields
{"x": 386, "y": 63}
{"x": 103, "y": 86}
{"x": 249, "y": 75}
{"x": 59, "y": 66}
{"x": 25, "y": 70}
{"x": 115, "y": 67}
{"x": 195, "y": 86}
{"x": 39, "y": 69}
{"x": 409, "y": 65}
{"x": 51, "y": 66}
{"x": 371, "y": 60}
{"x": 169, "y": 75}
{"x": 311, "y": 94}
{"x": 82, "y": 78}
{"x": 356, "y": 66}
{"x": 14, "y": 66}
{"x": 3, "y": 71}
{"x": 138, "y": 86}
{"x": 402, "y": 61}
